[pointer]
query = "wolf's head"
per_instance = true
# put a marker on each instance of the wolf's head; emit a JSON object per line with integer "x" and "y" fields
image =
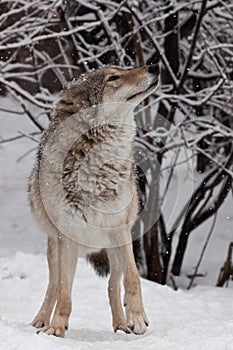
{"x": 110, "y": 84}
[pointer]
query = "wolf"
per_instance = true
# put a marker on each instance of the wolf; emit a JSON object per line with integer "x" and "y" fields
{"x": 82, "y": 192}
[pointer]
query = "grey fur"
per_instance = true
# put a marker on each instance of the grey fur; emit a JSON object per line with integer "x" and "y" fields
{"x": 82, "y": 191}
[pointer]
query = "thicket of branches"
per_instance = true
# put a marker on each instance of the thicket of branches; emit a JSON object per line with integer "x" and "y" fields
{"x": 45, "y": 43}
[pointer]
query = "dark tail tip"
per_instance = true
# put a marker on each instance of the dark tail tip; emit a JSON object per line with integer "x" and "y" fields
{"x": 99, "y": 262}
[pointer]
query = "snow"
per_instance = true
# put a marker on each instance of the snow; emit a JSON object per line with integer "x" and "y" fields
{"x": 201, "y": 318}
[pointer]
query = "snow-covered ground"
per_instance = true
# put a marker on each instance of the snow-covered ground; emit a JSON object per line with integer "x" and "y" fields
{"x": 201, "y": 318}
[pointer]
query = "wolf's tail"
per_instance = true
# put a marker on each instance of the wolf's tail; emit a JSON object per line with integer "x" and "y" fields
{"x": 100, "y": 262}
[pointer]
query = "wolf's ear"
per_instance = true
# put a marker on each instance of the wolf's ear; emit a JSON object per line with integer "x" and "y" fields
{"x": 80, "y": 98}
{"x": 70, "y": 100}
{"x": 64, "y": 103}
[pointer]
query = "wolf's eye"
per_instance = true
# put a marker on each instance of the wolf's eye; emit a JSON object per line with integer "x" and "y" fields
{"x": 113, "y": 77}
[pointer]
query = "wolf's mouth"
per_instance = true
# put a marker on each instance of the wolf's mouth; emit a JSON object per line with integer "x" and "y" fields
{"x": 150, "y": 87}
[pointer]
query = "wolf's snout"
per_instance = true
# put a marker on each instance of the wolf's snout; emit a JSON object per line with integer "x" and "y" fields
{"x": 154, "y": 69}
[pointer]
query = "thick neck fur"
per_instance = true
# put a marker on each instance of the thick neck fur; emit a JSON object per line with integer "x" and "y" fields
{"x": 98, "y": 165}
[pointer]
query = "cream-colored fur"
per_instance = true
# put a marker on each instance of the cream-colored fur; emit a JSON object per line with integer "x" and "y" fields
{"x": 82, "y": 191}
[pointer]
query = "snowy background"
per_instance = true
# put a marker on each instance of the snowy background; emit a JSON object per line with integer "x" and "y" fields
{"x": 201, "y": 318}
{"x": 42, "y": 45}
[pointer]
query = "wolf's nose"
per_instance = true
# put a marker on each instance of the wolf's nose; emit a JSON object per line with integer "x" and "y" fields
{"x": 153, "y": 68}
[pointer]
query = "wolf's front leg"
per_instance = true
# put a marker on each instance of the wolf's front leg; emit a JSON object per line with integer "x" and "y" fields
{"x": 114, "y": 292}
{"x": 43, "y": 317}
{"x": 135, "y": 315}
{"x": 67, "y": 261}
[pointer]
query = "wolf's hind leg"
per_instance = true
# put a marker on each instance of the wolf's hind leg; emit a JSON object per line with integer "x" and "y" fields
{"x": 43, "y": 317}
{"x": 67, "y": 261}
{"x": 114, "y": 292}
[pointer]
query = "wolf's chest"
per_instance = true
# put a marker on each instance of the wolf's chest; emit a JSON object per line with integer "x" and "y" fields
{"x": 97, "y": 175}
{"x": 87, "y": 185}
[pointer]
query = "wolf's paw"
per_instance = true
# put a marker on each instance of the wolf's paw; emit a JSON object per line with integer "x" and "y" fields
{"x": 121, "y": 326}
{"x": 40, "y": 322}
{"x": 53, "y": 330}
{"x": 137, "y": 321}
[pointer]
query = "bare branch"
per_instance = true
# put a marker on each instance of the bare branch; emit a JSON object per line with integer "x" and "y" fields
{"x": 203, "y": 252}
